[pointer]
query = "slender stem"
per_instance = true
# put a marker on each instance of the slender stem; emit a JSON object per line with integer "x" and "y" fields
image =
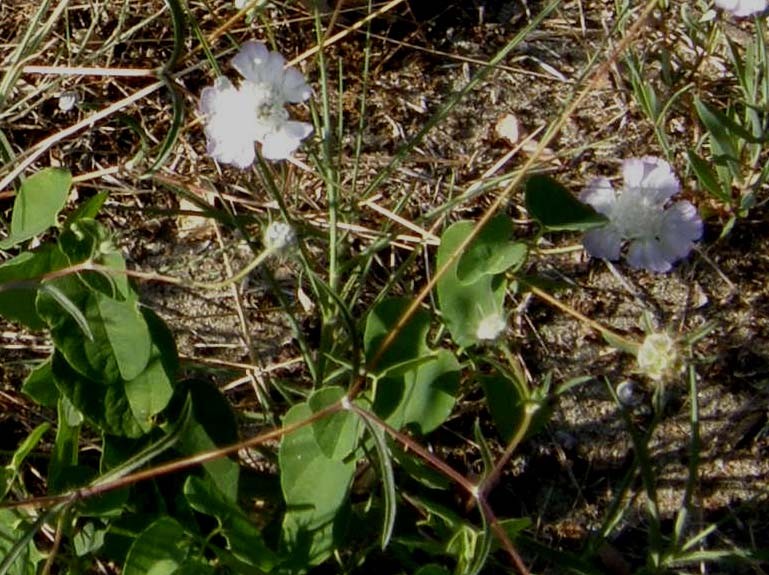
{"x": 170, "y": 467}
{"x": 543, "y": 295}
{"x": 491, "y": 479}
{"x": 596, "y": 77}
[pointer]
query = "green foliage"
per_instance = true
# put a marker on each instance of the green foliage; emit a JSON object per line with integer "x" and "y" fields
{"x": 38, "y": 202}
{"x": 465, "y": 305}
{"x": 422, "y": 392}
{"x": 17, "y": 559}
{"x": 556, "y": 209}
{"x": 315, "y": 489}
{"x": 161, "y": 549}
{"x": 243, "y": 538}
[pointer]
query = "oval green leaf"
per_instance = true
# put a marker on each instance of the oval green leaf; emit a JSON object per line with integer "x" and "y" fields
{"x": 556, "y": 209}
{"x": 39, "y": 200}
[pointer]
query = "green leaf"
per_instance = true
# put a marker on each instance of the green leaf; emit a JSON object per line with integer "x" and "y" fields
{"x": 244, "y": 539}
{"x": 38, "y": 202}
{"x": 117, "y": 377}
{"x": 315, "y": 489}
{"x": 212, "y": 425}
{"x": 427, "y": 395}
{"x": 13, "y": 528}
{"x": 19, "y": 283}
{"x": 406, "y": 346}
{"x": 128, "y": 336}
{"x": 103, "y": 402}
{"x": 68, "y": 306}
{"x": 161, "y": 549}
{"x": 88, "y": 538}
{"x": 10, "y": 472}
{"x": 337, "y": 434}
{"x": 424, "y": 395}
{"x": 708, "y": 178}
{"x": 556, "y": 209}
{"x": 65, "y": 447}
{"x": 388, "y": 480}
{"x": 40, "y": 385}
{"x": 505, "y": 403}
{"x": 465, "y": 305}
{"x": 492, "y": 252}
{"x": 88, "y": 209}
{"x": 86, "y": 239}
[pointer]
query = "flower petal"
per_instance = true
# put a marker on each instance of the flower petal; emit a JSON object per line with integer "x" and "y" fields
{"x": 230, "y": 133}
{"x": 604, "y": 242}
{"x": 281, "y": 143}
{"x": 600, "y": 194}
{"x": 742, "y": 8}
{"x": 648, "y": 254}
{"x": 295, "y": 88}
{"x": 653, "y": 177}
{"x": 681, "y": 227}
{"x": 257, "y": 64}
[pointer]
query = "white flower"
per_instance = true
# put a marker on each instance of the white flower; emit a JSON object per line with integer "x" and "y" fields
{"x": 491, "y": 327}
{"x": 67, "y": 101}
{"x": 230, "y": 130}
{"x": 658, "y": 357}
{"x": 741, "y": 8}
{"x": 279, "y": 236}
{"x": 657, "y": 235}
{"x": 235, "y": 118}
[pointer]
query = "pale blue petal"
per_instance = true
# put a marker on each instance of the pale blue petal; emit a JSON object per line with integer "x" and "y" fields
{"x": 295, "y": 88}
{"x": 599, "y": 194}
{"x": 281, "y": 144}
{"x": 604, "y": 242}
{"x": 681, "y": 227}
{"x": 251, "y": 61}
{"x": 653, "y": 177}
{"x": 648, "y": 254}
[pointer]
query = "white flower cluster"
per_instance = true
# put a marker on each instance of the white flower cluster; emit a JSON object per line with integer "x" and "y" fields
{"x": 236, "y": 117}
{"x": 742, "y": 8}
{"x": 657, "y": 235}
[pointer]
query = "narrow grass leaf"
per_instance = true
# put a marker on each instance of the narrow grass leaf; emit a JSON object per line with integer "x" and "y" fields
{"x": 707, "y": 177}
{"x": 9, "y": 473}
{"x": 388, "y": 480}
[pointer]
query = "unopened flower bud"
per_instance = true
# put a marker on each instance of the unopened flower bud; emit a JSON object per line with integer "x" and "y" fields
{"x": 658, "y": 356}
{"x": 491, "y": 327}
{"x": 279, "y": 237}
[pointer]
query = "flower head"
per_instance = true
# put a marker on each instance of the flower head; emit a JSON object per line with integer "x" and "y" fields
{"x": 67, "y": 101}
{"x": 236, "y": 117}
{"x": 491, "y": 327}
{"x": 658, "y": 356}
{"x": 657, "y": 235}
{"x": 280, "y": 237}
{"x": 742, "y": 8}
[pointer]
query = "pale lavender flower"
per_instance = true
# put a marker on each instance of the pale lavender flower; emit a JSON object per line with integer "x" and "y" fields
{"x": 742, "y": 8}
{"x": 236, "y": 117}
{"x": 657, "y": 235}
